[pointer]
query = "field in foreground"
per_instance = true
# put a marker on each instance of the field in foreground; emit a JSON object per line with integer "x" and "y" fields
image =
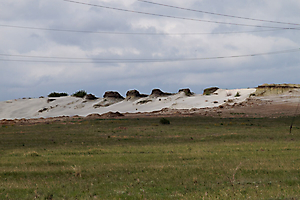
{"x": 192, "y": 158}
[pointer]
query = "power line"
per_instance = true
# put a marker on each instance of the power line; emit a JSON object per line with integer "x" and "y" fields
{"x": 223, "y": 15}
{"x": 169, "y": 16}
{"x": 135, "y": 60}
{"x": 136, "y": 33}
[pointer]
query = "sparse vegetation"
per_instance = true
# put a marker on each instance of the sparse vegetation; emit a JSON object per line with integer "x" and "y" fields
{"x": 57, "y": 94}
{"x": 194, "y": 158}
{"x": 237, "y": 94}
{"x": 164, "y": 121}
{"x": 80, "y": 94}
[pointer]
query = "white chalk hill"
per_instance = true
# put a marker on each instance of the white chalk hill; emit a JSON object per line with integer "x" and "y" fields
{"x": 70, "y": 106}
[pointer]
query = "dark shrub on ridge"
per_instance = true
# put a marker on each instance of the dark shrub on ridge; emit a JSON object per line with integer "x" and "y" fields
{"x": 57, "y": 94}
{"x": 80, "y": 93}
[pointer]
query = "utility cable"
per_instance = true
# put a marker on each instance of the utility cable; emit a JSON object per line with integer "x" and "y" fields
{"x": 134, "y": 60}
{"x": 136, "y": 33}
{"x": 223, "y": 15}
{"x": 169, "y": 16}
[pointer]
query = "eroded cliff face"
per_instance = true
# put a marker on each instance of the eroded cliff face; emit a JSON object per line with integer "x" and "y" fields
{"x": 271, "y": 89}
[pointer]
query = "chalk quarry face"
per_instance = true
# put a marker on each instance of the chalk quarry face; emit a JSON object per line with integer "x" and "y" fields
{"x": 112, "y": 94}
{"x": 134, "y": 95}
{"x": 159, "y": 93}
{"x": 135, "y": 102}
{"x": 273, "y": 89}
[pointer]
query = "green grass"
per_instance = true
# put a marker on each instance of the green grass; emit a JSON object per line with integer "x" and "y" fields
{"x": 192, "y": 158}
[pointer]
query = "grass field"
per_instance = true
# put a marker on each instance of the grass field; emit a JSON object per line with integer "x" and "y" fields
{"x": 192, "y": 158}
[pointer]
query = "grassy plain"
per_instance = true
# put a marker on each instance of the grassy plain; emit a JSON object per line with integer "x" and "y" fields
{"x": 192, "y": 158}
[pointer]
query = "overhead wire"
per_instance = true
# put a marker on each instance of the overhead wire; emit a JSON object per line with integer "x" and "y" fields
{"x": 98, "y": 60}
{"x": 218, "y": 14}
{"x": 169, "y": 16}
{"x": 161, "y": 34}
{"x": 136, "y": 60}
{"x": 232, "y": 16}
{"x": 139, "y": 33}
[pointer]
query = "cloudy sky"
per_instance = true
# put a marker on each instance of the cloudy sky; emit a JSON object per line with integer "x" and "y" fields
{"x": 101, "y": 45}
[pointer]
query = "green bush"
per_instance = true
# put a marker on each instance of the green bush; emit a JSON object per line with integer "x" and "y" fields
{"x": 57, "y": 94}
{"x": 237, "y": 94}
{"x": 80, "y": 93}
{"x": 164, "y": 121}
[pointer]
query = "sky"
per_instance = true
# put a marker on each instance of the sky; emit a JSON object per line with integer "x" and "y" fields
{"x": 112, "y": 45}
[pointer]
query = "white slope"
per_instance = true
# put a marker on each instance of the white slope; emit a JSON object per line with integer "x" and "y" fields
{"x": 70, "y": 106}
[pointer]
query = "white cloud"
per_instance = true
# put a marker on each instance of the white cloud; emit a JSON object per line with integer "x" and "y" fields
{"x": 18, "y": 79}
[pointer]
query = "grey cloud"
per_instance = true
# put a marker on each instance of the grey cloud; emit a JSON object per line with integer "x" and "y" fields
{"x": 18, "y": 79}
